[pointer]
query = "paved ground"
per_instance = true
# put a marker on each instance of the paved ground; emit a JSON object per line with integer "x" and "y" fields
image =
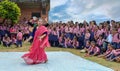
{"x": 58, "y": 61}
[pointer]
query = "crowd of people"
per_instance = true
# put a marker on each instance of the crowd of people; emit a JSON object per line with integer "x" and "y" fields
{"x": 101, "y": 40}
{"x": 14, "y": 34}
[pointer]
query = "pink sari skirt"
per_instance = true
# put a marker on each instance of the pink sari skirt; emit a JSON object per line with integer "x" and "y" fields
{"x": 35, "y": 57}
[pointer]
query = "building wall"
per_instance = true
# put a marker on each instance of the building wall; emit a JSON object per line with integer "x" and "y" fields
{"x": 27, "y": 13}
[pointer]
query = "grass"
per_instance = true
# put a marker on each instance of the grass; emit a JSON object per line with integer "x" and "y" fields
{"x": 113, "y": 65}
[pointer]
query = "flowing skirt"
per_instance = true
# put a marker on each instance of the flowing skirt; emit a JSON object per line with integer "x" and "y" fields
{"x": 35, "y": 57}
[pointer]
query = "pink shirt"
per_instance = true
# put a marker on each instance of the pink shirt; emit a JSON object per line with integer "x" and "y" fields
{"x": 1, "y": 28}
{"x": 19, "y": 36}
{"x": 82, "y": 30}
{"x": 57, "y": 28}
{"x": 74, "y": 30}
{"x": 92, "y": 27}
{"x": 54, "y": 33}
{"x": 57, "y": 32}
{"x": 70, "y": 29}
{"x": 95, "y": 50}
{"x": 87, "y": 28}
{"x": 119, "y": 30}
{"x": 76, "y": 43}
{"x": 116, "y": 52}
{"x": 23, "y": 28}
{"x": 90, "y": 48}
{"x": 60, "y": 39}
{"x": 77, "y": 27}
{"x": 12, "y": 30}
{"x": 108, "y": 51}
{"x": 66, "y": 29}
{"x": 69, "y": 42}
{"x": 26, "y": 30}
{"x": 65, "y": 42}
{"x": 49, "y": 31}
{"x": 107, "y": 33}
{"x": 61, "y": 28}
{"x": 100, "y": 42}
{"x": 87, "y": 35}
{"x": 115, "y": 38}
{"x": 99, "y": 32}
{"x": 14, "y": 40}
{"x": 4, "y": 28}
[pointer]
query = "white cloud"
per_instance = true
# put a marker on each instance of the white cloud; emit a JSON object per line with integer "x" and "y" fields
{"x": 58, "y": 15}
{"x": 78, "y": 10}
{"x": 54, "y": 3}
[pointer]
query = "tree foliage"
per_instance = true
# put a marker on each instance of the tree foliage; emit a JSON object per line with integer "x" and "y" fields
{"x": 9, "y": 10}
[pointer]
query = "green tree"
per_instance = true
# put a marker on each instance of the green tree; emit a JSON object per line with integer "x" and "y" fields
{"x": 9, "y": 11}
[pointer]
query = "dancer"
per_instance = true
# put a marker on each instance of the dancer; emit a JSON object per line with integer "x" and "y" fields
{"x": 37, "y": 53}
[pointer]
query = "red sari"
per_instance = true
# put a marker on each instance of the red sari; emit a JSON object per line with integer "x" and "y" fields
{"x": 37, "y": 54}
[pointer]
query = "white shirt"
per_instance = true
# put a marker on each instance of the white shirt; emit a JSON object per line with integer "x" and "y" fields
{"x": 109, "y": 38}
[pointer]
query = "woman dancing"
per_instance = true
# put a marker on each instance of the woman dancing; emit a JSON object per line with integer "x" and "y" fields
{"x": 37, "y": 53}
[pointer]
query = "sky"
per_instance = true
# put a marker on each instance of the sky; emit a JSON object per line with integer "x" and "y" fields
{"x": 80, "y": 10}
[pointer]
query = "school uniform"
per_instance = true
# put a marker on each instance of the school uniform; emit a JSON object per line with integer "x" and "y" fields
{"x": 19, "y": 39}
{"x": 94, "y": 50}
{"x": 116, "y": 41}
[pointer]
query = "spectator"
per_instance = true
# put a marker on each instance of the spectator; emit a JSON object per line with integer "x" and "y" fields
{"x": 19, "y": 39}
{"x": 93, "y": 50}
{"x": 7, "y": 41}
{"x": 115, "y": 39}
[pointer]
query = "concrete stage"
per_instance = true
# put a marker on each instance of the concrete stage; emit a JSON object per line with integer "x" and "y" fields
{"x": 58, "y": 61}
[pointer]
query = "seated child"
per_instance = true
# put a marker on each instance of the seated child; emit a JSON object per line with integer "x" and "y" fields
{"x": 93, "y": 50}
{"x": 61, "y": 41}
{"x": 114, "y": 54}
{"x": 68, "y": 43}
{"x": 109, "y": 50}
{"x": 100, "y": 43}
{"x": 75, "y": 43}
{"x": 86, "y": 47}
{"x": 7, "y": 41}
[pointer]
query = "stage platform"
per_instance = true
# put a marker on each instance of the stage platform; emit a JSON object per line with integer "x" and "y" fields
{"x": 58, "y": 61}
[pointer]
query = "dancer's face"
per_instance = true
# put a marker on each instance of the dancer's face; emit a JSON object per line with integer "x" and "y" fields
{"x": 39, "y": 23}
